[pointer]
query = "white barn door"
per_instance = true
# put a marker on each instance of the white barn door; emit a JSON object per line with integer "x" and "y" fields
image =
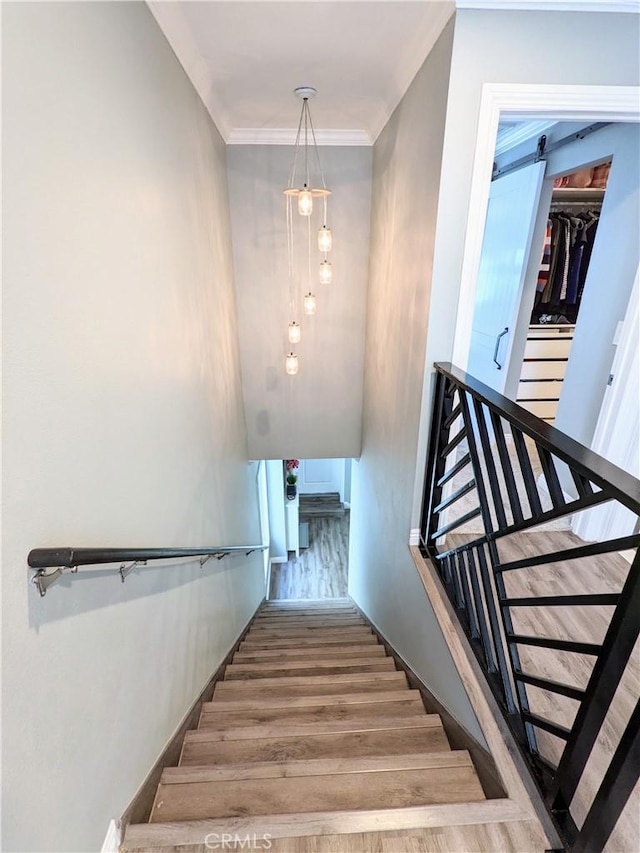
{"x": 511, "y": 216}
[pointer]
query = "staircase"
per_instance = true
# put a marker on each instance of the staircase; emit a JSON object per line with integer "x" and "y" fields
{"x": 326, "y": 505}
{"x": 313, "y": 731}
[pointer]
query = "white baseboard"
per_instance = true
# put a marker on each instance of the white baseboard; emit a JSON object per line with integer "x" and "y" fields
{"x": 112, "y": 840}
{"x": 414, "y": 536}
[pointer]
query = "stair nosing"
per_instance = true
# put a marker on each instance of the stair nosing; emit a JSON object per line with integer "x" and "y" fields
{"x": 326, "y": 823}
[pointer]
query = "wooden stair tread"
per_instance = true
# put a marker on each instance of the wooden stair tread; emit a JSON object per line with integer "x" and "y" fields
{"x": 281, "y": 613}
{"x": 349, "y": 698}
{"x": 312, "y": 667}
{"x": 308, "y": 616}
{"x": 316, "y": 714}
{"x": 369, "y": 790}
{"x": 167, "y": 834}
{"x": 307, "y": 602}
{"x": 313, "y": 731}
{"x": 306, "y": 729}
{"x": 302, "y": 642}
{"x": 315, "y": 767}
{"x": 309, "y": 685}
{"x": 308, "y": 652}
{"x": 336, "y": 740}
{"x": 347, "y": 632}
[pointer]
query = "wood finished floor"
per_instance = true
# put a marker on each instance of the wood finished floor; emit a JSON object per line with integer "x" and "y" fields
{"x": 605, "y": 573}
{"x": 321, "y": 569}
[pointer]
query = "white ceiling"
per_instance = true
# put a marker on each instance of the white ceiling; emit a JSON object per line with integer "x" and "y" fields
{"x": 245, "y": 58}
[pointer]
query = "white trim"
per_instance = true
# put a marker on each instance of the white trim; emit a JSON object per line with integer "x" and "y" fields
{"x": 527, "y": 101}
{"x": 414, "y": 537}
{"x": 287, "y": 136}
{"x": 112, "y": 839}
{"x": 278, "y": 559}
{"x": 508, "y": 139}
{"x": 632, "y": 6}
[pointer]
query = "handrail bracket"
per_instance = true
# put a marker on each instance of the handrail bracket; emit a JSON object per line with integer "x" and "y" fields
{"x": 43, "y": 579}
{"x": 125, "y": 570}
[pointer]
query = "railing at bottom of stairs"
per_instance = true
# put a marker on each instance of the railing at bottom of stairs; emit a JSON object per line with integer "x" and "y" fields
{"x": 52, "y": 563}
{"x": 495, "y": 468}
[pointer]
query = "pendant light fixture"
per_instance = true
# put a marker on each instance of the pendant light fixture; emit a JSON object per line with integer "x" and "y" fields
{"x": 294, "y": 333}
{"x": 324, "y": 239}
{"x": 291, "y": 364}
{"x": 306, "y": 183}
{"x": 300, "y": 185}
{"x": 325, "y": 272}
{"x": 309, "y": 304}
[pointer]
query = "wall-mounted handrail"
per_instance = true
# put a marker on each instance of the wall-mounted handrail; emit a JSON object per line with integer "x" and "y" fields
{"x": 64, "y": 560}
{"x": 492, "y": 462}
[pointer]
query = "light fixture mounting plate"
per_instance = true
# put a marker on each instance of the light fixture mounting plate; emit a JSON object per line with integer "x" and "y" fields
{"x": 305, "y": 92}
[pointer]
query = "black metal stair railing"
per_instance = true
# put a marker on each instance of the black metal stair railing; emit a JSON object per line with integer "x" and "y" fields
{"x": 494, "y": 471}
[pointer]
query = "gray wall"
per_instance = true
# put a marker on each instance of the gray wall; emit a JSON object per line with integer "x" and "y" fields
{"x": 382, "y": 576}
{"x": 123, "y": 421}
{"x": 316, "y": 414}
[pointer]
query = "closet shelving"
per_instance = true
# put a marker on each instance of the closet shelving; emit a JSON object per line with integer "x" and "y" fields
{"x": 548, "y": 345}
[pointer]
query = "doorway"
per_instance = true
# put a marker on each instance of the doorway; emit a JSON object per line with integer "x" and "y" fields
{"x": 593, "y": 348}
{"x": 309, "y": 502}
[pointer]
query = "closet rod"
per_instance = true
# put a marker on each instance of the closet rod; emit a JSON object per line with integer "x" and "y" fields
{"x": 542, "y": 149}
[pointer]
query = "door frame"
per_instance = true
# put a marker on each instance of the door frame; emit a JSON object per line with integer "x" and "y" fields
{"x": 527, "y": 102}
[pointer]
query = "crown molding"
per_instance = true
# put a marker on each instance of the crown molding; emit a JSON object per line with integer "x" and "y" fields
{"x": 632, "y": 6}
{"x": 287, "y": 136}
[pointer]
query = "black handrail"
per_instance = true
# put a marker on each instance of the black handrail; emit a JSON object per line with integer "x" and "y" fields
{"x": 63, "y": 560}
{"x": 42, "y": 558}
{"x": 476, "y": 580}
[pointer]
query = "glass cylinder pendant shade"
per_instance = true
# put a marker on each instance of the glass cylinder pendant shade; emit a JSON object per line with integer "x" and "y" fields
{"x": 309, "y": 304}
{"x": 305, "y": 202}
{"x": 294, "y": 333}
{"x": 325, "y": 272}
{"x": 291, "y": 364}
{"x": 324, "y": 239}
